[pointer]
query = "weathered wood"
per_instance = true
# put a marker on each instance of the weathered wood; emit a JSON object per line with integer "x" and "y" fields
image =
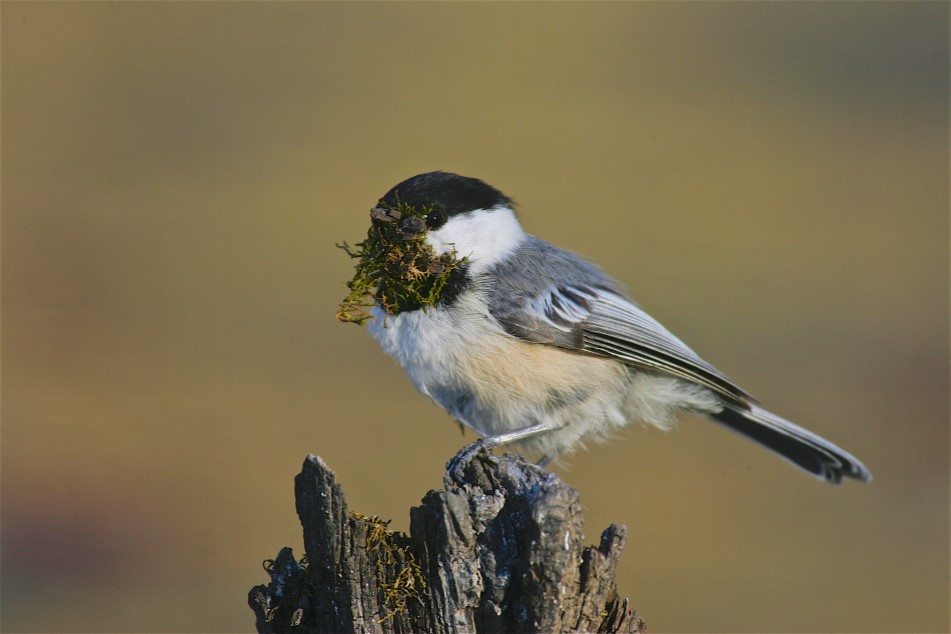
{"x": 502, "y": 550}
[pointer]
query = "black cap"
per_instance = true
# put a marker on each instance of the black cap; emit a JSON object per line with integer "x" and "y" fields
{"x": 450, "y": 193}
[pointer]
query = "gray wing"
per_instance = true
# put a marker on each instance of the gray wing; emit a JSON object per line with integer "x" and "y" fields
{"x": 589, "y": 315}
{"x": 599, "y": 321}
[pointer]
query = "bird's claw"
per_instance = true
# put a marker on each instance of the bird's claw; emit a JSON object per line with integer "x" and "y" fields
{"x": 456, "y": 467}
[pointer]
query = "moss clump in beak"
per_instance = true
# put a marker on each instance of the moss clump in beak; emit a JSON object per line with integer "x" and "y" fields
{"x": 396, "y": 268}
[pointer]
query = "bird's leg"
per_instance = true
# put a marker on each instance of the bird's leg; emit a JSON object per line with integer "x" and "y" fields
{"x": 457, "y": 464}
{"x": 544, "y": 462}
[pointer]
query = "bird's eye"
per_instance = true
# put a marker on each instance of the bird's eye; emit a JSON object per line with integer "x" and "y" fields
{"x": 435, "y": 219}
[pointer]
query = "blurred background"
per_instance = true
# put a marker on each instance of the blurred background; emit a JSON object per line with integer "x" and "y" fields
{"x": 770, "y": 180}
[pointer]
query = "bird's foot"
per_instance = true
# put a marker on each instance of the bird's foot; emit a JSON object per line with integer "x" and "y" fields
{"x": 456, "y": 467}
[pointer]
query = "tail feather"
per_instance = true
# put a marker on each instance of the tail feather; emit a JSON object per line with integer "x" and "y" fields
{"x": 800, "y": 446}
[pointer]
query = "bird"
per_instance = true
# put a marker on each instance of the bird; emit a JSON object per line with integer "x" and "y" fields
{"x": 532, "y": 345}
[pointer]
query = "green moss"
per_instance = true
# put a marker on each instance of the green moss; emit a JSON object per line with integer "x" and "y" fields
{"x": 399, "y": 576}
{"x": 395, "y": 268}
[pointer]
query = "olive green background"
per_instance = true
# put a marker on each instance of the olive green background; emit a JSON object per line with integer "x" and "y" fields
{"x": 770, "y": 180}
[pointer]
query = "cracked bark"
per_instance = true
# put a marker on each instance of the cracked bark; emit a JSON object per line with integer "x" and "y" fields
{"x": 501, "y": 551}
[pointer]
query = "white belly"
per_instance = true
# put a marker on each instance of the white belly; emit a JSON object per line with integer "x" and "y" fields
{"x": 495, "y": 383}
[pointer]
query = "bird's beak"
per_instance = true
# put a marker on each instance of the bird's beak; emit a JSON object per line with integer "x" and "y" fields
{"x": 408, "y": 228}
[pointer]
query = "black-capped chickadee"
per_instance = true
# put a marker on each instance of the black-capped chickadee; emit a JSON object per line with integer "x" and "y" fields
{"x": 533, "y": 345}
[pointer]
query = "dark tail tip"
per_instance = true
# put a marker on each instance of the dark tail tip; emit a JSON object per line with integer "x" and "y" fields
{"x": 801, "y": 447}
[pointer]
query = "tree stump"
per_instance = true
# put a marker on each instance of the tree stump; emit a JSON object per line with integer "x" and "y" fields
{"x": 500, "y": 551}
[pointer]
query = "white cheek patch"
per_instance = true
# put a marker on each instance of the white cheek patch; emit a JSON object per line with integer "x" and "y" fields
{"x": 485, "y": 236}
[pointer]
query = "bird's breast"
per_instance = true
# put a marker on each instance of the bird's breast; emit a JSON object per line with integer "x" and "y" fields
{"x": 485, "y": 377}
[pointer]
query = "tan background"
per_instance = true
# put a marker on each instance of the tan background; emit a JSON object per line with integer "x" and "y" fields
{"x": 769, "y": 179}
